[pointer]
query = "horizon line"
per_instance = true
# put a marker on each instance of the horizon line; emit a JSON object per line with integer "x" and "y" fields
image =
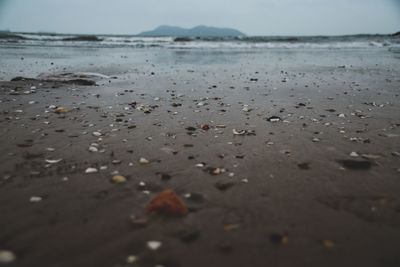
{"x": 138, "y": 34}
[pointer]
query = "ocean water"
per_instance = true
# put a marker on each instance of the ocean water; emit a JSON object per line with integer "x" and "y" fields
{"x": 258, "y": 42}
{"x": 28, "y": 55}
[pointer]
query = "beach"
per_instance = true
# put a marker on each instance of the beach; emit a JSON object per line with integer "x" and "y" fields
{"x": 283, "y": 156}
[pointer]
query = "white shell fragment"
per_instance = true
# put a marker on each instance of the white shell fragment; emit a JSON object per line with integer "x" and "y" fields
{"x": 354, "y": 154}
{"x": 93, "y": 149}
{"x": 91, "y": 170}
{"x": 35, "y": 199}
{"x": 247, "y": 108}
{"x": 53, "y": 161}
{"x": 154, "y": 245}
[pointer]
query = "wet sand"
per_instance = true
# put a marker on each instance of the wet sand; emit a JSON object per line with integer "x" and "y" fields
{"x": 318, "y": 187}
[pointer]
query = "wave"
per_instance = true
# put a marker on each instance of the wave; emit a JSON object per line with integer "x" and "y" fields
{"x": 246, "y": 42}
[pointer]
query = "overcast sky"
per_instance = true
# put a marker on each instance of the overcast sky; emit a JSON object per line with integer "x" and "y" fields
{"x": 253, "y": 17}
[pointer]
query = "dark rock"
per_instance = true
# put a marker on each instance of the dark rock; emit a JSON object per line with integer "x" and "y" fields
{"x": 165, "y": 176}
{"x": 222, "y": 185}
{"x": 304, "y": 165}
{"x": 356, "y": 164}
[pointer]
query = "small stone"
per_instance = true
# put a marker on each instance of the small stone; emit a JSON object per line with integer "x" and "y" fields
{"x": 167, "y": 203}
{"x": 204, "y": 127}
{"x": 247, "y": 108}
{"x": 222, "y": 186}
{"x": 97, "y": 134}
{"x": 304, "y": 165}
{"x": 7, "y": 256}
{"x": 143, "y": 161}
{"x": 356, "y": 164}
{"x": 131, "y": 259}
{"x": 118, "y": 179}
{"x": 61, "y": 110}
{"x": 315, "y": 140}
{"x": 216, "y": 171}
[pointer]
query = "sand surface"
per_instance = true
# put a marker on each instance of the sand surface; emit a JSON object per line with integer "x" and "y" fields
{"x": 318, "y": 187}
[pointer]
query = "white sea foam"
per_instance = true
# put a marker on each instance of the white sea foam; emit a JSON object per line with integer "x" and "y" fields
{"x": 319, "y": 42}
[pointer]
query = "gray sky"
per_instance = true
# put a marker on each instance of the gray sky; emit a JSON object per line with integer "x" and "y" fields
{"x": 253, "y": 17}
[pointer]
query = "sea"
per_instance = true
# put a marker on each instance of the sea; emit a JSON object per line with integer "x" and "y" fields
{"x": 391, "y": 42}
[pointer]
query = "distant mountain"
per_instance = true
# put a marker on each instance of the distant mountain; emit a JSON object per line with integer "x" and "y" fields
{"x": 199, "y": 31}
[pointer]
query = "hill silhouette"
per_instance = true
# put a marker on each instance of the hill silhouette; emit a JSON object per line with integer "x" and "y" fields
{"x": 198, "y": 31}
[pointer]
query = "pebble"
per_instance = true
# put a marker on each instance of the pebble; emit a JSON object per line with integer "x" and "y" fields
{"x": 143, "y": 161}
{"x": 6, "y": 256}
{"x": 167, "y": 203}
{"x": 61, "y": 110}
{"x": 131, "y": 259}
{"x": 118, "y": 179}
{"x": 247, "y": 108}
